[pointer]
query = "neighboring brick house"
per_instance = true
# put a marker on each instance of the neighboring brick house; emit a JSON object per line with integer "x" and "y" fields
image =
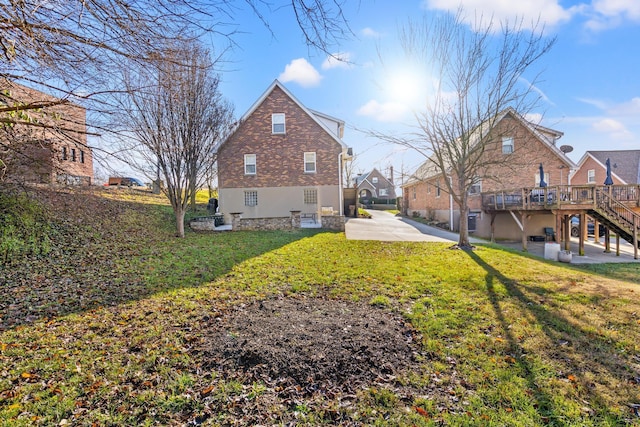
{"x": 516, "y": 150}
{"x": 592, "y": 169}
{"x": 374, "y": 186}
{"x": 283, "y": 158}
{"x": 52, "y": 148}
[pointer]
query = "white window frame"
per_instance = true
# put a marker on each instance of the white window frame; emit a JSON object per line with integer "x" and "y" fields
{"x": 374, "y": 180}
{"x": 438, "y": 188}
{"x": 383, "y": 192}
{"x": 309, "y": 160}
{"x": 591, "y": 176}
{"x": 277, "y": 120}
{"x": 475, "y": 188}
{"x": 507, "y": 145}
{"x": 546, "y": 178}
{"x": 250, "y": 160}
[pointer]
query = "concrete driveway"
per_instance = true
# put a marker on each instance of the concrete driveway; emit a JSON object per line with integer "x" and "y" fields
{"x": 390, "y": 228}
{"x": 387, "y": 227}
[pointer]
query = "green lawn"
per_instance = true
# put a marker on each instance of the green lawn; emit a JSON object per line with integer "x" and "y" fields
{"x": 102, "y": 332}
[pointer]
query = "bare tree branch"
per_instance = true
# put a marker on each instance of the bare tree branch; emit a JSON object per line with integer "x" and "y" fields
{"x": 478, "y": 77}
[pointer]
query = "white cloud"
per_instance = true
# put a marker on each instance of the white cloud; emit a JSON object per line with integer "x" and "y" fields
{"x": 608, "y": 125}
{"x": 300, "y": 71}
{"x": 594, "y": 102}
{"x": 606, "y": 14}
{"x": 338, "y": 60}
{"x": 628, "y": 8}
{"x": 384, "y": 112}
{"x": 370, "y": 32}
{"x": 549, "y": 12}
{"x": 615, "y": 129}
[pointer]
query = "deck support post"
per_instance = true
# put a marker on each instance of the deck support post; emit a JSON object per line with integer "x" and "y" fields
{"x": 567, "y": 232}
{"x": 635, "y": 237}
{"x": 493, "y": 227}
{"x": 582, "y": 226}
{"x": 524, "y": 218}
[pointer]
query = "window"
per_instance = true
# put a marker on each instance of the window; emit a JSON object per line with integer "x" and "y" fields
{"x": 310, "y": 196}
{"x": 414, "y": 193}
{"x": 374, "y": 179}
{"x": 438, "y": 188}
{"x": 546, "y": 179}
{"x": 476, "y": 188}
{"x": 591, "y": 176}
{"x": 251, "y": 198}
{"x": 64, "y": 153}
{"x": 73, "y": 154}
{"x": 363, "y": 193}
{"x": 249, "y": 164}
{"x": 277, "y": 123}
{"x": 81, "y": 156}
{"x": 507, "y": 145}
{"x": 383, "y": 192}
{"x": 309, "y": 162}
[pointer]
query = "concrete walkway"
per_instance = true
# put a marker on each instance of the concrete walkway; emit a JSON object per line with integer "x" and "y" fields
{"x": 593, "y": 252}
{"x": 387, "y": 227}
{"x": 384, "y": 226}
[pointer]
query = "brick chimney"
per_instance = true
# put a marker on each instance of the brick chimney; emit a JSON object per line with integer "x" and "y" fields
{"x": 391, "y": 174}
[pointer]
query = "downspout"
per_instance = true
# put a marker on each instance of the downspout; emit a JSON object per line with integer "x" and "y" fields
{"x": 340, "y": 201}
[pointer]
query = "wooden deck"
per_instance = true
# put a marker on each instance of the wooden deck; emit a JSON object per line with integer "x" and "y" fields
{"x": 617, "y": 207}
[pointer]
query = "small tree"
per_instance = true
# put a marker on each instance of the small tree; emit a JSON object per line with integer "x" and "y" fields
{"x": 479, "y": 74}
{"x": 178, "y": 122}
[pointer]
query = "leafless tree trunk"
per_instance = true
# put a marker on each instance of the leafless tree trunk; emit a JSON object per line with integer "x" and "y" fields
{"x": 178, "y": 122}
{"x": 478, "y": 74}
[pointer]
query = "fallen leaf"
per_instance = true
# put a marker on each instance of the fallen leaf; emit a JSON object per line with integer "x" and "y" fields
{"x": 421, "y": 411}
{"x": 207, "y": 390}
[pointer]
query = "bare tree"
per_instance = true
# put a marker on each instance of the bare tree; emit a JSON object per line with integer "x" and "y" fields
{"x": 478, "y": 75}
{"x": 74, "y": 49}
{"x": 177, "y": 122}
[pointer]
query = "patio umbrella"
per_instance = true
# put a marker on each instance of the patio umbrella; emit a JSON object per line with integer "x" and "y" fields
{"x": 608, "y": 180}
{"x": 542, "y": 183}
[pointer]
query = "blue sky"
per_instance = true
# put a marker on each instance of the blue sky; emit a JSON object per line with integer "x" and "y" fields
{"x": 590, "y": 82}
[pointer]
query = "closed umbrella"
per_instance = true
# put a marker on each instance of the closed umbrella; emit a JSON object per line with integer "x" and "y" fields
{"x": 542, "y": 183}
{"x": 608, "y": 180}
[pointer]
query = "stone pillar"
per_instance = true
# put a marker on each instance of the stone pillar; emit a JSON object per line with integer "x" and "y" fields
{"x": 295, "y": 219}
{"x": 235, "y": 220}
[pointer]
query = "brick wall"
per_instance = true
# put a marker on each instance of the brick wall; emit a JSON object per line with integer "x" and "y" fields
{"x": 506, "y": 171}
{"x": 581, "y": 175}
{"x": 279, "y": 158}
{"x": 38, "y": 154}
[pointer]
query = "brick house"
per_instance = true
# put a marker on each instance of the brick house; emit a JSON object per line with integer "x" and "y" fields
{"x": 375, "y": 186}
{"x": 282, "y": 165}
{"x": 592, "y": 169}
{"x": 52, "y": 147}
{"x": 515, "y": 150}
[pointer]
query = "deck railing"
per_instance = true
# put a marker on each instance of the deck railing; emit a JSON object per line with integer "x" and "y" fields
{"x": 537, "y": 198}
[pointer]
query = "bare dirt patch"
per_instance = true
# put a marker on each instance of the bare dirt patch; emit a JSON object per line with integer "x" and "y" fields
{"x": 306, "y": 345}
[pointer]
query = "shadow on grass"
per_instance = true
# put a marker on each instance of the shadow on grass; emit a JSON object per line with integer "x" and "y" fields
{"x": 107, "y": 252}
{"x": 600, "y": 352}
{"x": 623, "y": 271}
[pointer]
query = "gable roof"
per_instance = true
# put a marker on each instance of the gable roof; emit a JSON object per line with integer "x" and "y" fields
{"x": 625, "y": 164}
{"x": 545, "y": 135}
{"x": 365, "y": 177}
{"x": 313, "y": 114}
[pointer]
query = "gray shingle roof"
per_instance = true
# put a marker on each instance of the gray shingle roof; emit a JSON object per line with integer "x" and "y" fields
{"x": 624, "y": 163}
